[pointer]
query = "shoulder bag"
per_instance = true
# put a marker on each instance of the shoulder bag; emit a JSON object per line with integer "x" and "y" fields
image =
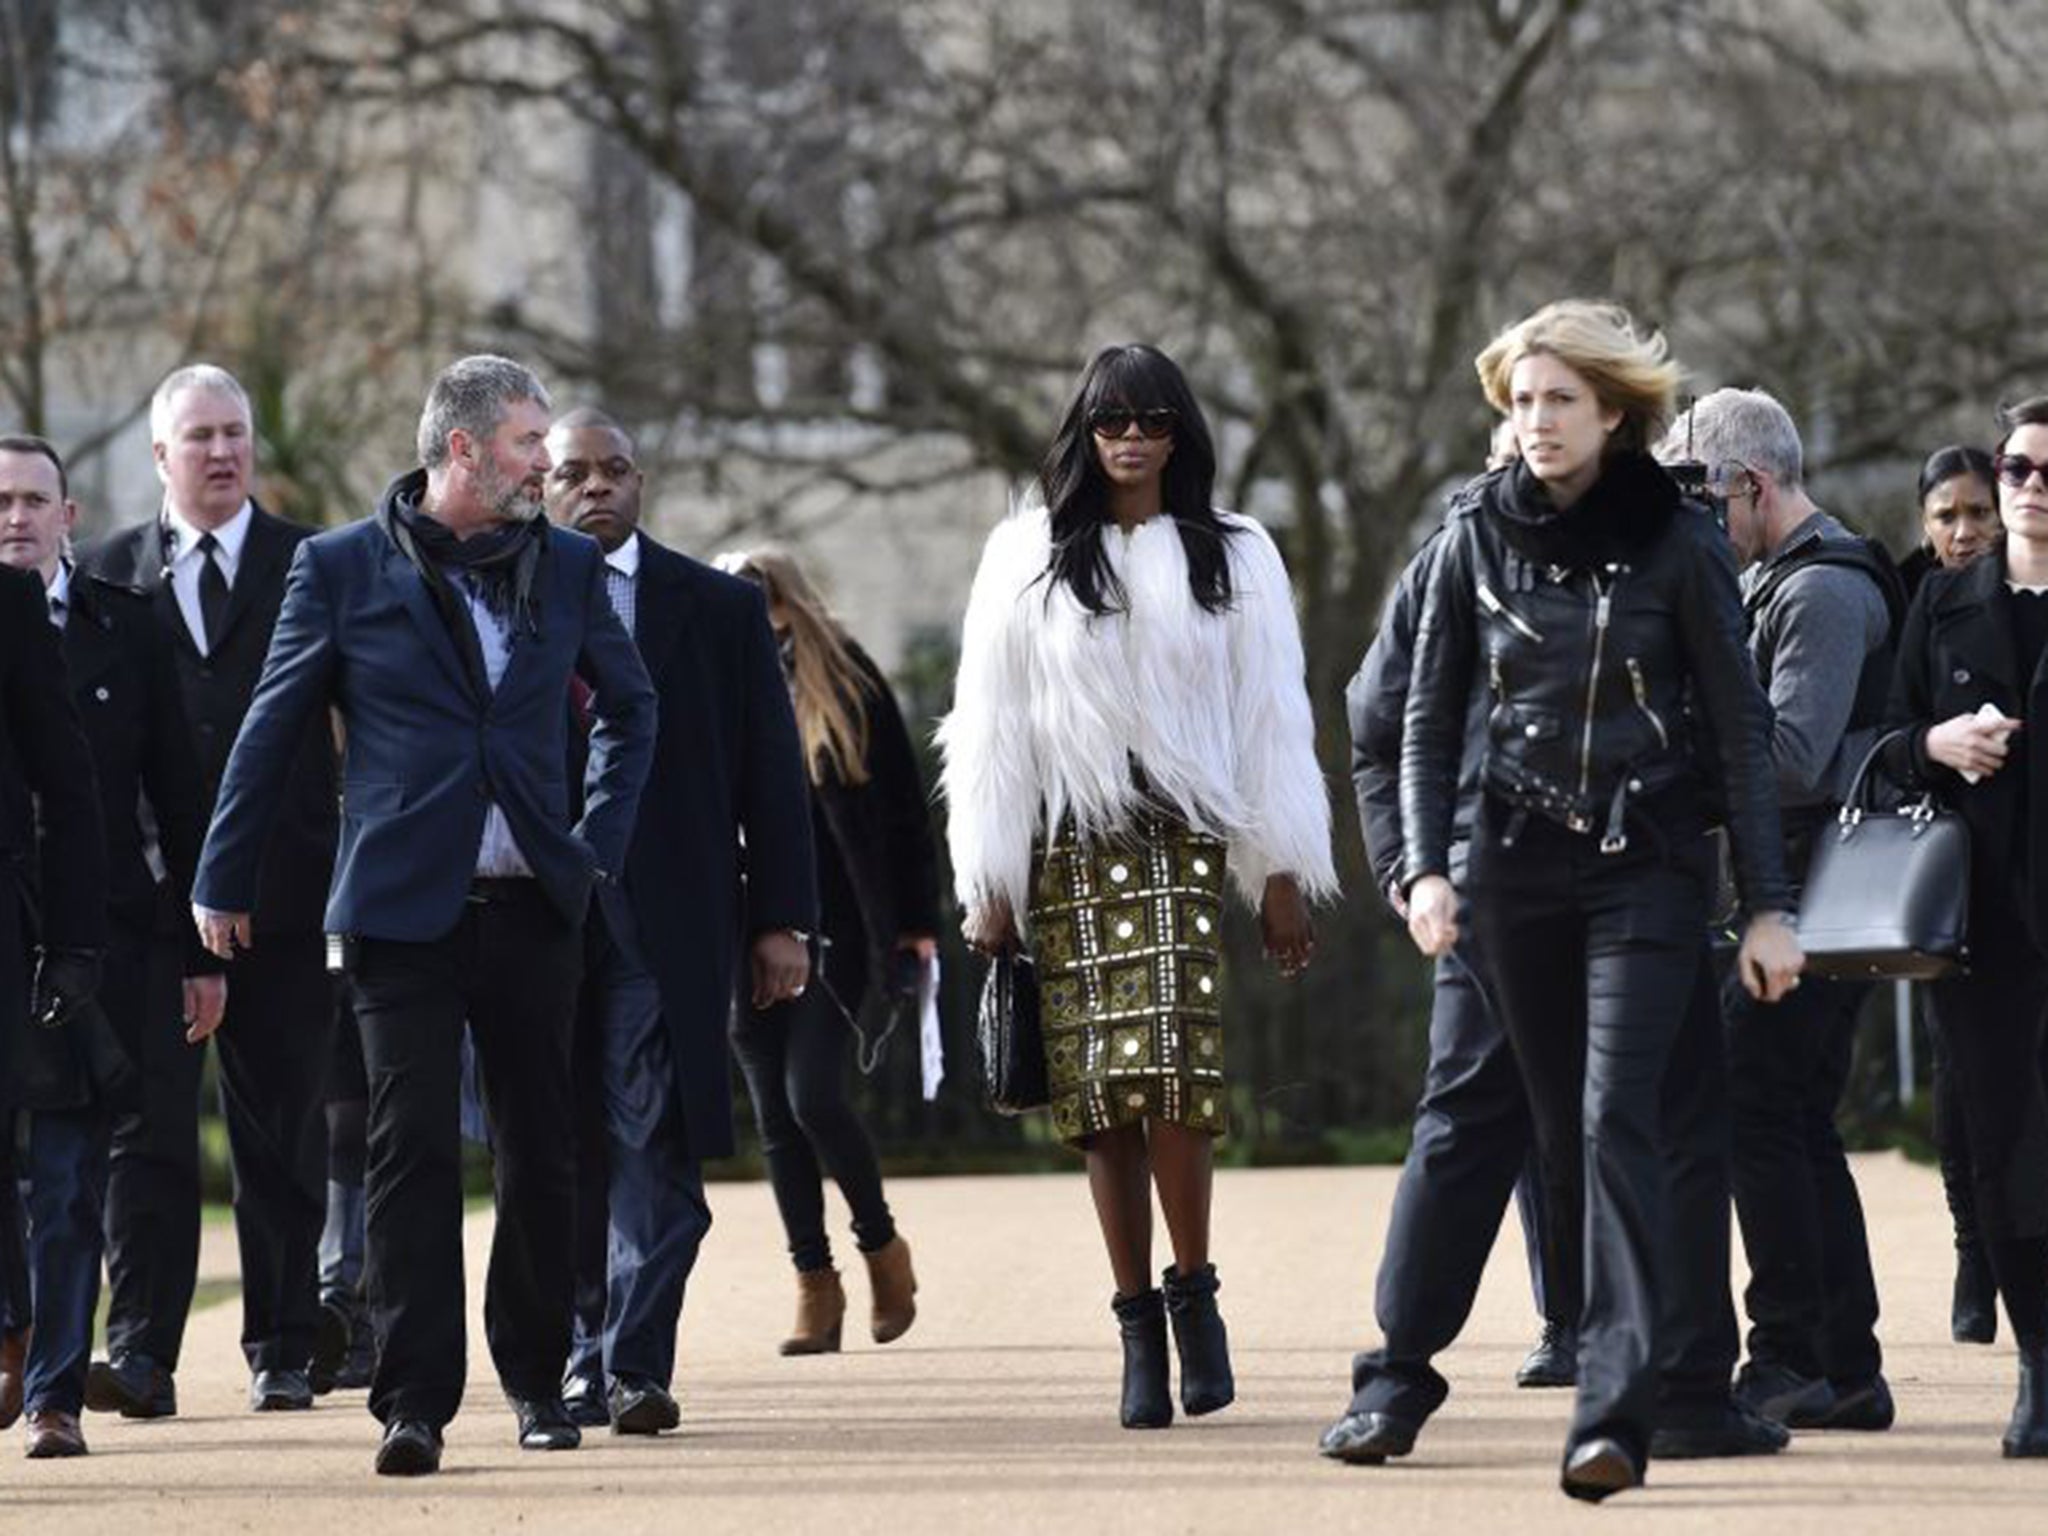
{"x": 1012, "y": 1042}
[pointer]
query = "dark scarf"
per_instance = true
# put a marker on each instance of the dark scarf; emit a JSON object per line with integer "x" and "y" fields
{"x": 500, "y": 566}
{"x": 1626, "y": 510}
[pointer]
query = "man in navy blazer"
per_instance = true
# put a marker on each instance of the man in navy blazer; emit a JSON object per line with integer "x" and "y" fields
{"x": 721, "y": 851}
{"x": 446, "y": 631}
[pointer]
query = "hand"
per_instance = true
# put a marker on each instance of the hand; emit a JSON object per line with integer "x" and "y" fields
{"x": 65, "y": 982}
{"x": 1971, "y": 744}
{"x": 1433, "y": 915}
{"x": 782, "y": 968}
{"x": 1284, "y": 922}
{"x": 223, "y": 933}
{"x": 206, "y": 1004}
{"x": 991, "y": 929}
{"x": 922, "y": 945}
{"x": 1770, "y": 959}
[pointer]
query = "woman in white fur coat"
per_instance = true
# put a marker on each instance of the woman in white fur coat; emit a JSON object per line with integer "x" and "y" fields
{"x": 1130, "y": 718}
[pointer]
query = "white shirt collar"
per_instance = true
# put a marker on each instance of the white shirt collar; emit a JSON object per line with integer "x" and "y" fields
{"x": 229, "y": 535}
{"x": 59, "y": 590}
{"x": 626, "y": 558}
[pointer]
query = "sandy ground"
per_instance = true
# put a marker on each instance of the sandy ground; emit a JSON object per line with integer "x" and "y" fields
{"x": 997, "y": 1412}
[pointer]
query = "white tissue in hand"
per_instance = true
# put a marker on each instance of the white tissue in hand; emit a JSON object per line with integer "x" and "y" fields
{"x": 1985, "y": 711}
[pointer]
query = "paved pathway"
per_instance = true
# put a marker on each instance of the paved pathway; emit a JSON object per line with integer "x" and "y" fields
{"x": 997, "y": 1412}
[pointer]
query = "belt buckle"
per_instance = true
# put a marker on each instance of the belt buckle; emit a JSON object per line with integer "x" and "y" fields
{"x": 1578, "y": 821}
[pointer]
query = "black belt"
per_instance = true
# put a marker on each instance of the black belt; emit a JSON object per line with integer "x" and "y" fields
{"x": 487, "y": 890}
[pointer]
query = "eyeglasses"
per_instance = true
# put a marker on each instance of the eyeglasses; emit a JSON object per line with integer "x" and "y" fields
{"x": 1112, "y": 422}
{"x": 2016, "y": 469}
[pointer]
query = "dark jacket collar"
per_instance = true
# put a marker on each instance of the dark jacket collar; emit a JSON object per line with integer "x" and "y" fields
{"x": 1626, "y": 510}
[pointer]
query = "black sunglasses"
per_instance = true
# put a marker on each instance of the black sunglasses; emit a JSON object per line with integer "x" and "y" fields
{"x": 1113, "y": 422}
{"x": 2016, "y": 469}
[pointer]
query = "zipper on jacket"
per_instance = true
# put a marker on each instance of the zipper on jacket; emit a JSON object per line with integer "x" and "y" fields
{"x": 1500, "y": 610}
{"x": 1496, "y": 673}
{"x": 1635, "y": 677}
{"x": 1603, "y": 610}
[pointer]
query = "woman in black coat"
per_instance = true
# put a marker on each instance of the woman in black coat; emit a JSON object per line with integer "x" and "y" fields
{"x": 1969, "y": 675}
{"x": 878, "y": 903}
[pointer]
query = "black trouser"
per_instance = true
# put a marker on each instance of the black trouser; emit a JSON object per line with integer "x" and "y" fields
{"x": 1590, "y": 959}
{"x": 510, "y": 968}
{"x": 1472, "y": 1141}
{"x": 794, "y": 1058}
{"x": 274, "y": 1049}
{"x": 1952, "y": 1133}
{"x": 1993, "y": 1020}
{"x": 1811, "y": 1299}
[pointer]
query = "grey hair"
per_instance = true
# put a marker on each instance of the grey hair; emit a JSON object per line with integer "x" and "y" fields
{"x": 207, "y": 376}
{"x": 1747, "y": 425}
{"x": 470, "y": 395}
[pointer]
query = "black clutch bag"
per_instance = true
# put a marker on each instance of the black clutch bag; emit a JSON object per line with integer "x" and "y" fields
{"x": 1012, "y": 1041}
{"x": 1887, "y": 891}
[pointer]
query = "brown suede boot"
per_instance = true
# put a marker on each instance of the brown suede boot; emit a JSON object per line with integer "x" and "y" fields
{"x": 894, "y": 1285}
{"x": 820, "y": 1310}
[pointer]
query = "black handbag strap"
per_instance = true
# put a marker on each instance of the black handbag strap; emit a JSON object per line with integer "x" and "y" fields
{"x": 1856, "y": 804}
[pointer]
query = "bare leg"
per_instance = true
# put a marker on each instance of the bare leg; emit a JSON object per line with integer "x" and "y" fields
{"x": 1183, "y": 1167}
{"x": 1118, "y": 1178}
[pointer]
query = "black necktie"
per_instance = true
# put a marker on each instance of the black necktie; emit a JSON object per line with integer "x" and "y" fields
{"x": 213, "y": 593}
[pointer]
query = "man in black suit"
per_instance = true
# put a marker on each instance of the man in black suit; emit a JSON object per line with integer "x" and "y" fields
{"x": 126, "y": 691}
{"x": 212, "y": 566}
{"x": 653, "y": 1080}
{"x": 447, "y": 630}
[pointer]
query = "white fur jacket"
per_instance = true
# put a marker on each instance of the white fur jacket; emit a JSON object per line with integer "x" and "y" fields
{"x": 1051, "y": 705}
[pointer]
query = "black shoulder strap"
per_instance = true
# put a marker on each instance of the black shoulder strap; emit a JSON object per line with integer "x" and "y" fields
{"x": 1858, "y": 554}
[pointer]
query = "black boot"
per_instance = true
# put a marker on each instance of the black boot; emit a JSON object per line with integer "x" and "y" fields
{"x": 1142, "y": 1320}
{"x": 1205, "y": 1380}
{"x": 1973, "y": 1315}
{"x": 2027, "y": 1434}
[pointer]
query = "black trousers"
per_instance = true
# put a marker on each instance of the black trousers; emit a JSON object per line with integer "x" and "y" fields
{"x": 1952, "y": 1132}
{"x": 509, "y": 968}
{"x": 1591, "y": 960}
{"x": 274, "y": 1045}
{"x": 1811, "y": 1299}
{"x": 1993, "y": 1021}
{"x": 1472, "y": 1141}
{"x": 794, "y": 1057}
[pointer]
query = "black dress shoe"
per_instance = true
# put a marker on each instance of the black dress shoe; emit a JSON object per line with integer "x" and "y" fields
{"x": 1554, "y": 1362}
{"x": 1724, "y": 1429}
{"x": 134, "y": 1386}
{"x": 1597, "y": 1468}
{"x": 1367, "y": 1439}
{"x": 1776, "y": 1392}
{"x": 1864, "y": 1405}
{"x": 2027, "y": 1434}
{"x": 280, "y": 1392}
{"x": 642, "y": 1408}
{"x": 1141, "y": 1321}
{"x": 545, "y": 1425}
{"x": 1973, "y": 1306}
{"x": 330, "y": 1347}
{"x": 411, "y": 1448}
{"x": 585, "y": 1400}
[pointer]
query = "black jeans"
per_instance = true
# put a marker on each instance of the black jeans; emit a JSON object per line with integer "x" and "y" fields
{"x": 1591, "y": 959}
{"x": 510, "y": 968}
{"x": 1993, "y": 1021}
{"x": 794, "y": 1058}
{"x": 1811, "y": 1299}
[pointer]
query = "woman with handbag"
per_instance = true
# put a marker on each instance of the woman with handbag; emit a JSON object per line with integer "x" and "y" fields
{"x": 1130, "y": 719}
{"x": 878, "y": 905}
{"x": 1593, "y": 602}
{"x": 1969, "y": 676}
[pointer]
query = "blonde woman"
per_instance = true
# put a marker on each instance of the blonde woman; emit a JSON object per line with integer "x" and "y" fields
{"x": 1592, "y": 602}
{"x": 1130, "y": 719}
{"x": 878, "y": 899}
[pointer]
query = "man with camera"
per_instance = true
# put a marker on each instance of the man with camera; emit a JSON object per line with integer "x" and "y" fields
{"x": 1822, "y": 608}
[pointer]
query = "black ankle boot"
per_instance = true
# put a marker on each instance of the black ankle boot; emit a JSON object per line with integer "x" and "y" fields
{"x": 2027, "y": 1434}
{"x": 1198, "y": 1334}
{"x": 1973, "y": 1314}
{"x": 1142, "y": 1320}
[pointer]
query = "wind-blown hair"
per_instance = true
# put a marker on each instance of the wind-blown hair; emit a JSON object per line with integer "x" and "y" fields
{"x": 827, "y": 686}
{"x": 1630, "y": 372}
{"x": 1134, "y": 377}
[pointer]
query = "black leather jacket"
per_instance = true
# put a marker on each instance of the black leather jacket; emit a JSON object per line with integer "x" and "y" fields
{"x": 1595, "y": 631}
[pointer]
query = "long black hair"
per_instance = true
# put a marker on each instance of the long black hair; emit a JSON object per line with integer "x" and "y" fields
{"x": 1945, "y": 464}
{"x": 1134, "y": 377}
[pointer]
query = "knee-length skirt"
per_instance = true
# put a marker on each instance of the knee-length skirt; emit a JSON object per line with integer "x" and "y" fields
{"x": 1126, "y": 931}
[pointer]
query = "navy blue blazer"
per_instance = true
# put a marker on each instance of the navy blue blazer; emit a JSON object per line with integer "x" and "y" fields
{"x": 721, "y": 851}
{"x": 424, "y": 754}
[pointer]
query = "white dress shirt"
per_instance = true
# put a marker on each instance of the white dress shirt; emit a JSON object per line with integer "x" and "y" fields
{"x": 186, "y": 561}
{"x": 498, "y": 853}
{"x": 622, "y": 580}
{"x": 59, "y": 594}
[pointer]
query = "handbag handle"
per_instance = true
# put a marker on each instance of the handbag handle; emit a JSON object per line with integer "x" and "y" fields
{"x": 1855, "y": 804}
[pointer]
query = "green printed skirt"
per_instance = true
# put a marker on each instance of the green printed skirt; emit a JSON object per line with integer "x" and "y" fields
{"x": 1127, "y": 933}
